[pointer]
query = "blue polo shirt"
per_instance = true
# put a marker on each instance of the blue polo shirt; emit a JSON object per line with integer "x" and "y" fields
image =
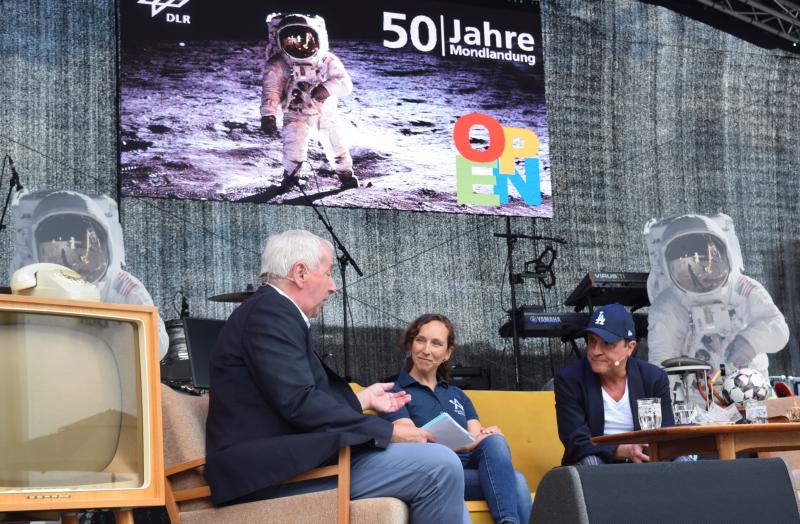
{"x": 426, "y": 405}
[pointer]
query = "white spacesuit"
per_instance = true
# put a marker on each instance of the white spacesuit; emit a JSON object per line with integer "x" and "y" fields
{"x": 701, "y": 304}
{"x": 305, "y": 80}
{"x": 84, "y": 234}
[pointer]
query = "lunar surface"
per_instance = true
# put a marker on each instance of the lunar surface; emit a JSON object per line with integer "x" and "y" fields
{"x": 190, "y": 126}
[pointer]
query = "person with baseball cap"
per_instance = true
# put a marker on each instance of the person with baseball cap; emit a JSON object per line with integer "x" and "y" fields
{"x": 597, "y": 395}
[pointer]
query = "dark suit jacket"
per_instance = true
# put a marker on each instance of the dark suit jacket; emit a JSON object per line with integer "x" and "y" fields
{"x": 275, "y": 409}
{"x": 579, "y": 405}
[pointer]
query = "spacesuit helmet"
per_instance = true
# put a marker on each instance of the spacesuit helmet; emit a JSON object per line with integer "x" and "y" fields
{"x": 68, "y": 228}
{"x": 298, "y": 40}
{"x": 74, "y": 240}
{"x": 697, "y": 262}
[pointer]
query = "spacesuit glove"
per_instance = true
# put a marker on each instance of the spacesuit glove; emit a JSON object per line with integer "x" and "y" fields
{"x": 739, "y": 352}
{"x": 269, "y": 125}
{"x": 320, "y": 93}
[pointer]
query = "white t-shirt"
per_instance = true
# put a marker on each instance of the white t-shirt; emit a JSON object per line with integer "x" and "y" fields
{"x": 619, "y": 417}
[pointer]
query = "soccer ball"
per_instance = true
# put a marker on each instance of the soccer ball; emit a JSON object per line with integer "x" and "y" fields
{"x": 746, "y": 384}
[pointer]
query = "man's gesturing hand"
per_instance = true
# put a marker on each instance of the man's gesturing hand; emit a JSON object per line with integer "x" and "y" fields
{"x": 379, "y": 398}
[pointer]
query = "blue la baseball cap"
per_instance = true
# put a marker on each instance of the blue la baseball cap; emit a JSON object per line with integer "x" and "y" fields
{"x": 612, "y": 323}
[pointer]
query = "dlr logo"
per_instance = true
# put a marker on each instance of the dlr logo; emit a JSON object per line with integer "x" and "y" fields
{"x": 178, "y": 19}
{"x": 494, "y": 166}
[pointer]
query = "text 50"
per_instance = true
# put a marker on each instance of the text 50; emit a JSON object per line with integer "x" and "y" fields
{"x": 389, "y": 24}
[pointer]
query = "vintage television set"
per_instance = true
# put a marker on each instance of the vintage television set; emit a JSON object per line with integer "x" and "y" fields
{"x": 80, "y": 408}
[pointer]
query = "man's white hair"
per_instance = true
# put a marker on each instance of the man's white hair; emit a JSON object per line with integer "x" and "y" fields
{"x": 286, "y": 249}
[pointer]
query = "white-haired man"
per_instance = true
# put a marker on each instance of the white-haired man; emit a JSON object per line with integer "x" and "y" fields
{"x": 277, "y": 410}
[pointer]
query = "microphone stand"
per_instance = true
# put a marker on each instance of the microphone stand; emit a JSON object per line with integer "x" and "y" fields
{"x": 512, "y": 281}
{"x": 344, "y": 259}
{"x": 13, "y": 183}
{"x": 511, "y": 239}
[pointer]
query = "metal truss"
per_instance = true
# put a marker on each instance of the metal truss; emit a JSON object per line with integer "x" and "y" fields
{"x": 778, "y": 17}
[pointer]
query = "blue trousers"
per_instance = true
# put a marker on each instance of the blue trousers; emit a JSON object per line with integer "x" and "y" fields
{"x": 428, "y": 477}
{"x": 489, "y": 475}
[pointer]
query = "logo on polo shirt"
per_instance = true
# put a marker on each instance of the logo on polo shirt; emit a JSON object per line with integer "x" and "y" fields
{"x": 459, "y": 409}
{"x": 601, "y": 319}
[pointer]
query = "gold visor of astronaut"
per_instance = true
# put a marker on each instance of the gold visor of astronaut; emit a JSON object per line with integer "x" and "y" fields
{"x": 76, "y": 241}
{"x": 697, "y": 262}
{"x": 299, "y": 41}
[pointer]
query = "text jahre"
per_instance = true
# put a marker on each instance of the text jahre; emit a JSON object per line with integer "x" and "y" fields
{"x": 491, "y": 37}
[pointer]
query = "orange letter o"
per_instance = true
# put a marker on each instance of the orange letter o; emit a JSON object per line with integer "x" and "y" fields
{"x": 497, "y": 139}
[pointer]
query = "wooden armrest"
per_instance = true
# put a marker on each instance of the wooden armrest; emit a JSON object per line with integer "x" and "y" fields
{"x": 317, "y": 473}
{"x": 342, "y": 469}
{"x": 173, "y": 497}
{"x": 185, "y": 466}
{"x": 199, "y": 492}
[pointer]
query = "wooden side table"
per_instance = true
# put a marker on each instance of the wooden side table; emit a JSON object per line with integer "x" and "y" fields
{"x": 723, "y": 440}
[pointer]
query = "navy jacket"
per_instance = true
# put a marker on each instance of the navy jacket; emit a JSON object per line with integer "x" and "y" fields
{"x": 275, "y": 409}
{"x": 579, "y": 405}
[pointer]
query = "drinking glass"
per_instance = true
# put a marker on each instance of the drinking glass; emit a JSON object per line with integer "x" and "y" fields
{"x": 649, "y": 413}
{"x": 682, "y": 413}
{"x": 756, "y": 412}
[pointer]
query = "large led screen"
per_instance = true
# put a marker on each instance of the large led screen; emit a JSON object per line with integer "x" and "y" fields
{"x": 409, "y": 105}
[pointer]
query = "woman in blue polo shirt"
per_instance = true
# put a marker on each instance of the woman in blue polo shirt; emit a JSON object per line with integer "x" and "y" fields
{"x": 488, "y": 472}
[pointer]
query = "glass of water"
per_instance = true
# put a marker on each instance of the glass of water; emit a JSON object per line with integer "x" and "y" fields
{"x": 649, "y": 413}
{"x": 682, "y": 413}
{"x": 756, "y": 412}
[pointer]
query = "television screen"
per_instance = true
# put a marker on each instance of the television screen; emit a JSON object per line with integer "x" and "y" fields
{"x": 433, "y": 106}
{"x": 78, "y": 391}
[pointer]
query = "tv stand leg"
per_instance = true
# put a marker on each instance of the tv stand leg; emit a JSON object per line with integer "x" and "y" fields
{"x": 123, "y": 516}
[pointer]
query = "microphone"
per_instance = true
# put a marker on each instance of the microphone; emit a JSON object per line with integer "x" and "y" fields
{"x": 14, "y": 175}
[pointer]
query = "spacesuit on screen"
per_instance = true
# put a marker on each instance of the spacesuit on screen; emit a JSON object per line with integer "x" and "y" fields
{"x": 82, "y": 233}
{"x": 701, "y": 304}
{"x": 305, "y": 80}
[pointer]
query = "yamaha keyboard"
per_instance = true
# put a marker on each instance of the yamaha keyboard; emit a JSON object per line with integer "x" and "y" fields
{"x": 566, "y": 326}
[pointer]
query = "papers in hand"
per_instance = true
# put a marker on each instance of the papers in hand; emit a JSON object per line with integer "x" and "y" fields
{"x": 448, "y": 432}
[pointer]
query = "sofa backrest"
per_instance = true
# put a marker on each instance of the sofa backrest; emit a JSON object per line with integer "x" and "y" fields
{"x": 184, "y": 420}
{"x": 528, "y": 420}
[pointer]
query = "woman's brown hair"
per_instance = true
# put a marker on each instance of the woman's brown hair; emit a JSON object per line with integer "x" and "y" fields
{"x": 445, "y": 368}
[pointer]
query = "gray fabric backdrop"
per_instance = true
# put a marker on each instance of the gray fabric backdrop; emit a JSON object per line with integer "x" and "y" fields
{"x": 651, "y": 114}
